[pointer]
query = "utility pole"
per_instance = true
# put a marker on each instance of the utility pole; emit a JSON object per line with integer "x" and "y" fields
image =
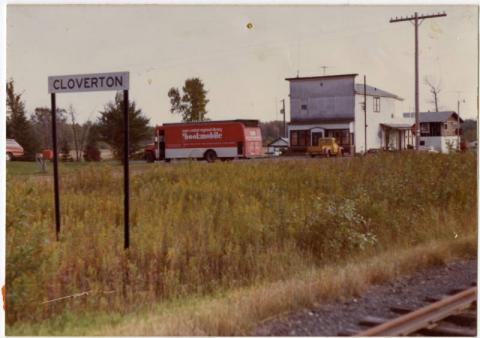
{"x": 324, "y": 69}
{"x": 284, "y": 119}
{"x": 458, "y": 124}
{"x": 415, "y": 18}
{"x": 365, "y": 108}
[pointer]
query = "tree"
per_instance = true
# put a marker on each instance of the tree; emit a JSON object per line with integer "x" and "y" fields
{"x": 469, "y": 129}
{"x": 110, "y": 126}
{"x": 435, "y": 89}
{"x": 18, "y": 125}
{"x": 41, "y": 121}
{"x": 91, "y": 134}
{"x": 85, "y": 137}
{"x": 192, "y": 103}
{"x": 271, "y": 130}
{"x": 65, "y": 150}
{"x": 75, "y": 127}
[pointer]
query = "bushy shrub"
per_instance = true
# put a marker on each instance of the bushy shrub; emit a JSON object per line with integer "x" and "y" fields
{"x": 91, "y": 153}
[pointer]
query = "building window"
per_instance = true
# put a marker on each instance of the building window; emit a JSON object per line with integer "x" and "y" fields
{"x": 299, "y": 138}
{"x": 304, "y": 107}
{"x": 376, "y": 104}
{"x": 425, "y": 129}
{"x": 293, "y": 138}
{"x": 435, "y": 129}
{"x": 303, "y": 137}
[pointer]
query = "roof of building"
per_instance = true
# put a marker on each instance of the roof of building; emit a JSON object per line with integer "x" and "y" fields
{"x": 434, "y": 116}
{"x": 320, "y": 77}
{"x": 397, "y": 125}
{"x": 279, "y": 140}
{"x": 322, "y": 120}
{"x": 374, "y": 91}
{"x": 440, "y": 116}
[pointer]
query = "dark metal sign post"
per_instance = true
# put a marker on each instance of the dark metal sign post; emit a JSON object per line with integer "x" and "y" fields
{"x": 126, "y": 174}
{"x": 55, "y": 167}
{"x": 88, "y": 83}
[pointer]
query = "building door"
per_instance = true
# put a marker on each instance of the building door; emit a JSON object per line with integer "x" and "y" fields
{"x": 315, "y": 137}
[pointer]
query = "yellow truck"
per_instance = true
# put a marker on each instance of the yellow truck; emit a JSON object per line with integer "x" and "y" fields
{"x": 326, "y": 146}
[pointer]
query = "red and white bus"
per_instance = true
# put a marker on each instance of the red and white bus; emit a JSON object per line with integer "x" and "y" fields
{"x": 207, "y": 140}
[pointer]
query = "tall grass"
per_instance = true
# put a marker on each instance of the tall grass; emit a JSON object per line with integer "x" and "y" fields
{"x": 198, "y": 229}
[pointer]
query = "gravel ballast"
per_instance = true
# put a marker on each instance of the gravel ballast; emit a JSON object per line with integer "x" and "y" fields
{"x": 410, "y": 291}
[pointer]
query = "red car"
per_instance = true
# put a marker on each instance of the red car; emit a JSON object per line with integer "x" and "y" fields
{"x": 13, "y": 149}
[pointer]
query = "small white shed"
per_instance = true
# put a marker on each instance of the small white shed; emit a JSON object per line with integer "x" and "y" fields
{"x": 277, "y": 146}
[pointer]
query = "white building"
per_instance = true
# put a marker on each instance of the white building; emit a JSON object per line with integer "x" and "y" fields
{"x": 439, "y": 131}
{"x": 277, "y": 146}
{"x": 332, "y": 106}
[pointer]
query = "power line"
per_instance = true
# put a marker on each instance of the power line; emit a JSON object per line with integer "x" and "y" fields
{"x": 415, "y": 18}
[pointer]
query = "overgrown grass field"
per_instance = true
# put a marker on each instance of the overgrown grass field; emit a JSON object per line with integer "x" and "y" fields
{"x": 199, "y": 229}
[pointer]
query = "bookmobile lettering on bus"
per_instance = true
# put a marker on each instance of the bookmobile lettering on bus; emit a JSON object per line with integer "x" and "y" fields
{"x": 202, "y": 134}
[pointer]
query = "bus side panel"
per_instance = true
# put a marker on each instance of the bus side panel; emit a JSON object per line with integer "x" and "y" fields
{"x": 193, "y": 140}
{"x": 229, "y": 152}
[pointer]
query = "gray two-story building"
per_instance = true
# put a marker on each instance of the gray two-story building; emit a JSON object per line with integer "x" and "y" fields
{"x": 332, "y": 106}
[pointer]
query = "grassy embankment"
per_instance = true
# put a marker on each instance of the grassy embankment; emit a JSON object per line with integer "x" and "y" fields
{"x": 216, "y": 248}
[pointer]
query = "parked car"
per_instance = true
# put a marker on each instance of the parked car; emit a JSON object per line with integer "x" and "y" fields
{"x": 14, "y": 149}
{"x": 326, "y": 146}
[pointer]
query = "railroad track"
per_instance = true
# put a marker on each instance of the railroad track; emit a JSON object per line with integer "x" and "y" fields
{"x": 452, "y": 315}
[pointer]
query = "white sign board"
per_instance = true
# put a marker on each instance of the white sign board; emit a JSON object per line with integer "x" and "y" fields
{"x": 88, "y": 82}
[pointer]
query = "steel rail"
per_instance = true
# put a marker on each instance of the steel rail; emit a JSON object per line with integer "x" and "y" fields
{"x": 424, "y": 317}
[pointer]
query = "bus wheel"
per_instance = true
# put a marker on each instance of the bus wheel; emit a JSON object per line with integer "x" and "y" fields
{"x": 210, "y": 156}
{"x": 150, "y": 157}
{"x": 167, "y": 160}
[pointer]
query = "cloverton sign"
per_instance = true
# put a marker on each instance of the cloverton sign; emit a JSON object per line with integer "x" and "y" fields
{"x": 88, "y": 82}
{"x": 91, "y": 83}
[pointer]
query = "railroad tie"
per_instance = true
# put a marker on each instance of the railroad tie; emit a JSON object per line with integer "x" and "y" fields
{"x": 448, "y": 331}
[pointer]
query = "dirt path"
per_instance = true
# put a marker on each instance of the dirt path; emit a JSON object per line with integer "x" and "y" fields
{"x": 410, "y": 291}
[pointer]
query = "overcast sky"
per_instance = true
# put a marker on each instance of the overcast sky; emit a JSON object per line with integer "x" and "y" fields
{"x": 243, "y": 69}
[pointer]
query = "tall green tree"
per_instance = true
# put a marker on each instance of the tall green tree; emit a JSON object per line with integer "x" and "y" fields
{"x": 191, "y": 103}
{"x": 18, "y": 125}
{"x": 110, "y": 126}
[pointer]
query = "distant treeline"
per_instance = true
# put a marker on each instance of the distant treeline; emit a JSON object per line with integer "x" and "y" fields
{"x": 33, "y": 131}
{"x": 271, "y": 130}
{"x": 469, "y": 128}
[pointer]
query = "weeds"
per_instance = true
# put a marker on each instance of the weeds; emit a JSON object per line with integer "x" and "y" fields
{"x": 198, "y": 229}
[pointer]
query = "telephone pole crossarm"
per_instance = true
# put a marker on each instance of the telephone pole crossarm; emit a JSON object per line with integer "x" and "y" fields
{"x": 408, "y": 18}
